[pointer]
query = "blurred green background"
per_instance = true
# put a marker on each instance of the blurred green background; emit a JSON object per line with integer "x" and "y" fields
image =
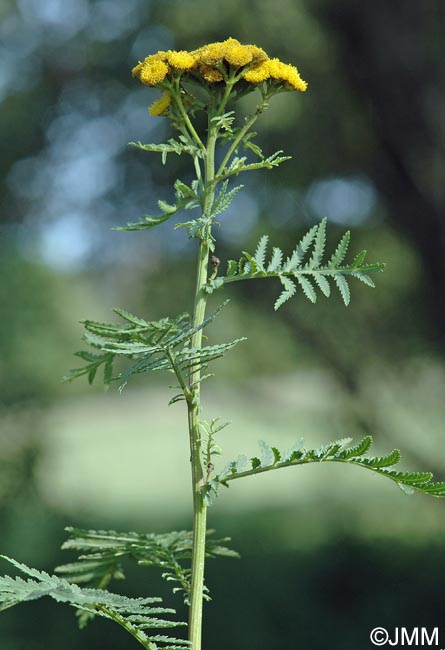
{"x": 328, "y": 553}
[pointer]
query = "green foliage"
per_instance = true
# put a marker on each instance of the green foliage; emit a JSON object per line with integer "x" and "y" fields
{"x": 154, "y": 345}
{"x": 201, "y": 226}
{"x": 304, "y": 267}
{"x": 239, "y": 164}
{"x": 135, "y": 615}
{"x": 224, "y": 198}
{"x": 103, "y": 552}
{"x": 187, "y": 198}
{"x": 338, "y": 451}
{"x": 210, "y": 447}
{"x": 180, "y": 146}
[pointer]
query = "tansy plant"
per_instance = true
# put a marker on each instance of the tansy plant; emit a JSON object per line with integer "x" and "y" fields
{"x": 209, "y": 80}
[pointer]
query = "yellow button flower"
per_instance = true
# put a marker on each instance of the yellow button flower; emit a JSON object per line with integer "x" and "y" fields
{"x": 276, "y": 69}
{"x": 181, "y": 60}
{"x": 160, "y": 106}
{"x": 258, "y": 73}
{"x": 258, "y": 54}
{"x": 286, "y": 73}
{"x": 210, "y": 74}
{"x": 210, "y": 54}
{"x": 236, "y": 54}
{"x": 152, "y": 70}
{"x": 230, "y": 50}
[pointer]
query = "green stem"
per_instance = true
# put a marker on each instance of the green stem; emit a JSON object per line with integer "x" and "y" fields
{"x": 236, "y": 142}
{"x": 198, "y": 473}
{"x": 250, "y": 122}
{"x": 341, "y": 270}
{"x": 185, "y": 117}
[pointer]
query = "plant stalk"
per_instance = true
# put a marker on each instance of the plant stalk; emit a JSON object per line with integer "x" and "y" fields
{"x": 194, "y": 405}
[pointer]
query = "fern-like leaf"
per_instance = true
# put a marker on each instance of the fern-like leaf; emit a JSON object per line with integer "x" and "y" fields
{"x": 289, "y": 291}
{"x": 186, "y": 198}
{"x": 134, "y": 614}
{"x": 104, "y": 551}
{"x": 151, "y": 345}
{"x": 343, "y": 287}
{"x": 275, "y": 262}
{"x": 224, "y": 198}
{"x": 172, "y": 146}
{"x": 340, "y": 252}
{"x": 340, "y": 451}
{"x": 260, "y": 253}
{"x": 304, "y": 265}
{"x": 319, "y": 246}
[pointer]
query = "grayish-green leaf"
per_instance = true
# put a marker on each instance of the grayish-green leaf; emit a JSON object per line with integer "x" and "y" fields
{"x": 340, "y": 451}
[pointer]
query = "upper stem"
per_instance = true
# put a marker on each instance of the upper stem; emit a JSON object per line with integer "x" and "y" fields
{"x": 193, "y": 403}
{"x": 185, "y": 117}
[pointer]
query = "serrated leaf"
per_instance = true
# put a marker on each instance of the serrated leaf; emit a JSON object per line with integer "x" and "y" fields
{"x": 323, "y": 284}
{"x": 319, "y": 246}
{"x": 313, "y": 271}
{"x": 384, "y": 461}
{"x": 358, "y": 449}
{"x": 250, "y": 266}
{"x": 363, "y": 278}
{"x": 131, "y": 318}
{"x": 275, "y": 262}
{"x": 267, "y": 454}
{"x": 301, "y": 249}
{"x": 289, "y": 291}
{"x": 103, "y": 551}
{"x": 340, "y": 252}
{"x": 359, "y": 259}
{"x": 295, "y": 448}
{"x": 260, "y": 252}
{"x": 307, "y": 287}
{"x": 167, "y": 207}
{"x": 224, "y": 198}
{"x": 232, "y": 267}
{"x": 339, "y": 451}
{"x": 343, "y": 287}
{"x": 147, "y": 223}
{"x": 94, "y": 601}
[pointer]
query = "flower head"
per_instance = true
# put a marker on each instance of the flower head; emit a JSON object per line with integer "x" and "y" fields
{"x": 257, "y": 73}
{"x": 210, "y": 54}
{"x": 181, "y": 60}
{"x": 210, "y": 74}
{"x": 277, "y": 70}
{"x": 286, "y": 73}
{"x": 230, "y": 51}
{"x": 152, "y": 70}
{"x": 160, "y": 106}
{"x": 236, "y": 54}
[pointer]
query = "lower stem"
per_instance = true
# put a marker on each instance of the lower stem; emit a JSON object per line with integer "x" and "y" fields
{"x": 199, "y": 535}
{"x": 198, "y": 476}
{"x": 193, "y": 404}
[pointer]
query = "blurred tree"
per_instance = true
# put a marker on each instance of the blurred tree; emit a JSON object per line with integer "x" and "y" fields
{"x": 393, "y": 58}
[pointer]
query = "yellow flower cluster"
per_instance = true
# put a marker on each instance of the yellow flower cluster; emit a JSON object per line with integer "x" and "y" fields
{"x": 230, "y": 51}
{"x": 160, "y": 106}
{"x": 153, "y": 70}
{"x": 211, "y": 61}
{"x": 275, "y": 69}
